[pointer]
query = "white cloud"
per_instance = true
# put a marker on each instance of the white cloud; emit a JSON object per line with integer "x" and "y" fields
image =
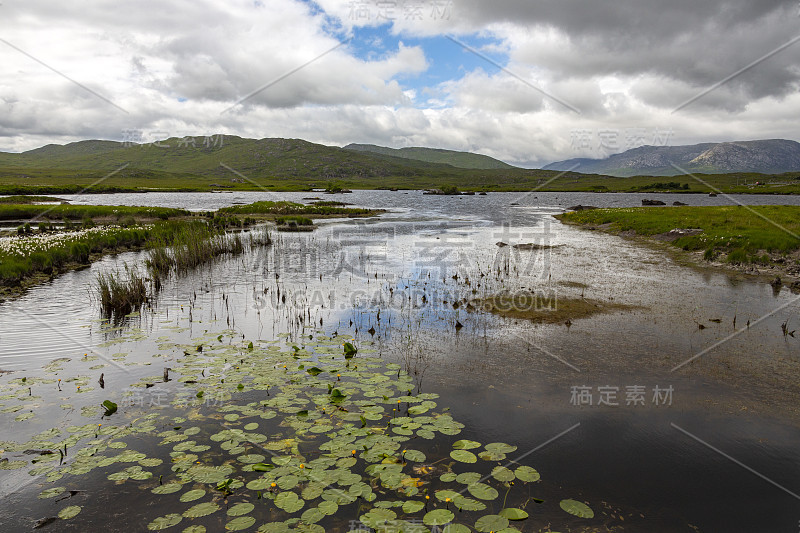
{"x": 176, "y": 66}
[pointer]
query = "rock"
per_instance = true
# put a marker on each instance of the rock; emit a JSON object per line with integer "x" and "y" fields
{"x": 581, "y": 208}
{"x": 776, "y": 283}
{"x": 482, "y": 194}
{"x": 653, "y": 202}
{"x": 679, "y": 203}
{"x": 534, "y": 246}
{"x": 712, "y": 194}
{"x": 677, "y": 233}
{"x": 501, "y": 244}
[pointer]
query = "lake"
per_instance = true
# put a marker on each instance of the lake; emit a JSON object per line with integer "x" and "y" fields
{"x": 657, "y": 423}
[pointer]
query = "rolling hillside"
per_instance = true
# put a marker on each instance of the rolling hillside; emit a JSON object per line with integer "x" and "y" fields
{"x": 435, "y": 155}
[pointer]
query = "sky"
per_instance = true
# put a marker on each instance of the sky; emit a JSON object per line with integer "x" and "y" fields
{"x": 525, "y": 81}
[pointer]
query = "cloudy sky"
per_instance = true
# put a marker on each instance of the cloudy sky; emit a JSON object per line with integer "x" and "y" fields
{"x": 526, "y": 81}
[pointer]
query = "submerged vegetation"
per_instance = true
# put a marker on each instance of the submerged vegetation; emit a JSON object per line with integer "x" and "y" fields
{"x": 735, "y": 234}
{"x": 281, "y": 437}
{"x": 544, "y": 308}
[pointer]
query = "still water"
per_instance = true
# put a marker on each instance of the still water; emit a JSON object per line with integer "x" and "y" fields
{"x": 607, "y": 409}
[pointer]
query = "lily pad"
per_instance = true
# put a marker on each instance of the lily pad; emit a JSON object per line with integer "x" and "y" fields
{"x": 577, "y": 508}
{"x": 527, "y": 474}
{"x": 483, "y": 491}
{"x": 201, "y": 509}
{"x": 491, "y": 522}
{"x": 192, "y": 495}
{"x": 513, "y": 514}
{"x": 463, "y": 456}
{"x": 164, "y": 522}
{"x": 69, "y": 512}
{"x": 412, "y": 506}
{"x": 439, "y": 517}
{"x": 241, "y": 509}
{"x": 238, "y": 524}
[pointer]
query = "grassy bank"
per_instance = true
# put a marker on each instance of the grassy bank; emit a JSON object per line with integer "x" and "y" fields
{"x": 81, "y": 212}
{"x": 765, "y": 235}
{"x": 27, "y": 260}
{"x": 283, "y": 209}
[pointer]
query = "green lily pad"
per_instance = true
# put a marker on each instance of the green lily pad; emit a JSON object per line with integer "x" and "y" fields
{"x": 468, "y": 478}
{"x": 463, "y": 456}
{"x": 513, "y": 514}
{"x": 527, "y": 474}
{"x": 466, "y": 444}
{"x": 577, "y": 508}
{"x": 414, "y": 455}
{"x": 49, "y": 493}
{"x": 201, "y": 509}
{"x": 439, "y": 517}
{"x": 69, "y": 512}
{"x": 238, "y": 524}
{"x": 503, "y": 474}
{"x": 500, "y": 447}
{"x": 491, "y": 522}
{"x": 289, "y": 502}
{"x": 192, "y": 495}
{"x": 483, "y": 491}
{"x": 328, "y": 507}
{"x": 312, "y": 515}
{"x": 412, "y": 506}
{"x": 241, "y": 509}
{"x": 164, "y": 522}
{"x": 167, "y": 488}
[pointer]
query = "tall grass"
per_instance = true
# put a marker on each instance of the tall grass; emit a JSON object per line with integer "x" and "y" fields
{"x": 183, "y": 247}
{"x": 195, "y": 244}
{"x": 121, "y": 294}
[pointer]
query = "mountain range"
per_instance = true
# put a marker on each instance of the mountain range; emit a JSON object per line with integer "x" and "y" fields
{"x": 435, "y": 155}
{"x": 773, "y": 156}
{"x": 231, "y": 162}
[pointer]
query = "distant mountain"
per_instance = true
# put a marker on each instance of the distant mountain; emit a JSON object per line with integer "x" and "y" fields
{"x": 253, "y": 158}
{"x": 772, "y": 156}
{"x": 435, "y": 155}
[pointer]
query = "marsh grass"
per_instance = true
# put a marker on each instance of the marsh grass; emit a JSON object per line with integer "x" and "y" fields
{"x": 121, "y": 293}
{"x": 192, "y": 245}
{"x": 744, "y": 235}
{"x": 291, "y": 208}
{"x": 178, "y": 248}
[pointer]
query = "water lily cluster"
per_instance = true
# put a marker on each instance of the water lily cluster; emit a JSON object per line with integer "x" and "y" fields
{"x": 301, "y": 436}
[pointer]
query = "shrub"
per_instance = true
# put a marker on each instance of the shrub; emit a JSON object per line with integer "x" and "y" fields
{"x": 738, "y": 256}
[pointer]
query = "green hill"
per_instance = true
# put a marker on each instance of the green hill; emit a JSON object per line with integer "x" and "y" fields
{"x": 235, "y": 163}
{"x": 435, "y": 155}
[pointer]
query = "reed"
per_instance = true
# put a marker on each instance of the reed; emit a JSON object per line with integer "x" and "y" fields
{"x": 121, "y": 293}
